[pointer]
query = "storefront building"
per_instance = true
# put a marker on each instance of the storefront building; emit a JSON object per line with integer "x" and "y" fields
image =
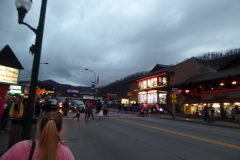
{"x": 156, "y": 86}
{"x": 9, "y": 72}
{"x": 219, "y": 89}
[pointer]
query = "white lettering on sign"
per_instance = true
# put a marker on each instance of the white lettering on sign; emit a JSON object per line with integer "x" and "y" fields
{"x": 12, "y": 87}
{"x": 8, "y": 75}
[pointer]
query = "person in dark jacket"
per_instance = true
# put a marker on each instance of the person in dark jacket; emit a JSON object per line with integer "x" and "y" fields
{"x": 206, "y": 113}
{"x": 98, "y": 107}
{"x": 119, "y": 109}
{"x": 87, "y": 110}
{"x": 65, "y": 105}
{"x": 212, "y": 113}
{"x": 38, "y": 107}
{"x": 47, "y": 106}
{"x": 5, "y": 115}
{"x": 237, "y": 113}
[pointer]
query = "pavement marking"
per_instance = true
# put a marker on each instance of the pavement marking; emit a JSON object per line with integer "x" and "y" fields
{"x": 151, "y": 120}
{"x": 183, "y": 134}
{"x": 94, "y": 123}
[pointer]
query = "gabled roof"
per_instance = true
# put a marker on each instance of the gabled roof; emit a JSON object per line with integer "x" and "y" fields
{"x": 158, "y": 67}
{"x": 213, "y": 75}
{"x": 168, "y": 69}
{"x": 228, "y": 62}
{"x": 9, "y": 59}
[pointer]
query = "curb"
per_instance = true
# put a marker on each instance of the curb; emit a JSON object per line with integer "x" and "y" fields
{"x": 190, "y": 121}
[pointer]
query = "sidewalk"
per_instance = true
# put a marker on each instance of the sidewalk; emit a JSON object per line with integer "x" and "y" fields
{"x": 190, "y": 120}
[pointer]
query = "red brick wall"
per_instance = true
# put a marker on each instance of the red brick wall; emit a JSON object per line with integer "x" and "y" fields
{"x": 185, "y": 70}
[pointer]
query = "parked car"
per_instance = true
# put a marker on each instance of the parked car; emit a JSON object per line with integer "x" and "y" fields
{"x": 53, "y": 104}
{"x": 61, "y": 101}
{"x": 73, "y": 103}
{"x": 42, "y": 101}
{"x": 116, "y": 101}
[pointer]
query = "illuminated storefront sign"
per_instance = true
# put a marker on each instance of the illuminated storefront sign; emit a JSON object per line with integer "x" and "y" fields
{"x": 49, "y": 91}
{"x": 72, "y": 91}
{"x": 15, "y": 89}
{"x": 8, "y": 75}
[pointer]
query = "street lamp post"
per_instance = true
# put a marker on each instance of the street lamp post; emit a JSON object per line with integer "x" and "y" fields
{"x": 94, "y": 82}
{"x": 23, "y": 6}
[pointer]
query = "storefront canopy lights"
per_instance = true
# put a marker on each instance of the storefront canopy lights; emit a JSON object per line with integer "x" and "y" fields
{"x": 221, "y": 84}
{"x": 234, "y": 82}
{"x": 186, "y": 104}
{"x": 216, "y": 105}
{"x": 236, "y": 103}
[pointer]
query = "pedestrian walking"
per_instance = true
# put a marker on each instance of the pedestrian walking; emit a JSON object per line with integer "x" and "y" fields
{"x": 98, "y": 107}
{"x": 2, "y": 104}
{"x": 212, "y": 113}
{"x": 16, "y": 109}
{"x": 49, "y": 146}
{"x": 233, "y": 114}
{"x": 91, "y": 108}
{"x": 77, "y": 112}
{"x": 87, "y": 110}
{"x": 237, "y": 113}
{"x": 149, "y": 109}
{"x": 65, "y": 105}
{"x": 38, "y": 107}
{"x": 206, "y": 113}
{"x": 105, "y": 108}
{"x": 119, "y": 109}
{"x": 5, "y": 115}
{"x": 133, "y": 105}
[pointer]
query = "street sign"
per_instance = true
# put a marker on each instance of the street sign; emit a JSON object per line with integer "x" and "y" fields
{"x": 174, "y": 101}
{"x": 174, "y": 96}
{"x": 174, "y": 89}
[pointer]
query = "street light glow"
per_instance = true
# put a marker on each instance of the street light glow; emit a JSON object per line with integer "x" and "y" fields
{"x": 24, "y": 4}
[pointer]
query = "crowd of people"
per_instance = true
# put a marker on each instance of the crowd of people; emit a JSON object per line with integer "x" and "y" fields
{"x": 11, "y": 107}
{"x": 208, "y": 113}
{"x": 49, "y": 146}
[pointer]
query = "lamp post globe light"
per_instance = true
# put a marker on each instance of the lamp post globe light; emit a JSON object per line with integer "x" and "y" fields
{"x": 23, "y": 6}
{"x": 94, "y": 82}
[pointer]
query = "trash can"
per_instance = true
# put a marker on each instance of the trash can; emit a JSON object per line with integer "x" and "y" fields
{"x": 16, "y": 131}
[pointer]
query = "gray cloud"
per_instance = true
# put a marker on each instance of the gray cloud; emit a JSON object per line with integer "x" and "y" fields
{"x": 118, "y": 38}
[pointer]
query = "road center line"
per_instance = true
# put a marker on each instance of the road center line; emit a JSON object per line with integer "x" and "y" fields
{"x": 183, "y": 134}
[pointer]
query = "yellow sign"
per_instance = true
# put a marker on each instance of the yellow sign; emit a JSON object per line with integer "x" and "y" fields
{"x": 38, "y": 91}
{"x": 174, "y": 101}
{"x": 130, "y": 94}
{"x": 49, "y": 91}
{"x": 174, "y": 96}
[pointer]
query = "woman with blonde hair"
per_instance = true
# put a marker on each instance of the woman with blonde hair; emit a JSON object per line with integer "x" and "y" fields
{"x": 48, "y": 147}
{"x": 16, "y": 109}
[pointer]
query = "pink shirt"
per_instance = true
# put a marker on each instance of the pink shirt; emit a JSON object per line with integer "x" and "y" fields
{"x": 21, "y": 151}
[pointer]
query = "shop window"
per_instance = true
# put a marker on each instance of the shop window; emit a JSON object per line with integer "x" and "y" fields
{"x": 229, "y": 109}
{"x": 162, "y": 81}
{"x": 154, "y": 82}
{"x": 162, "y": 97}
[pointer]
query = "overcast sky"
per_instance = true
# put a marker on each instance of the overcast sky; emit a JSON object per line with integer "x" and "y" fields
{"x": 116, "y": 38}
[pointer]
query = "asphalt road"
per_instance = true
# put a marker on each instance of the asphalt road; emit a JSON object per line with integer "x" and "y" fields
{"x": 131, "y": 137}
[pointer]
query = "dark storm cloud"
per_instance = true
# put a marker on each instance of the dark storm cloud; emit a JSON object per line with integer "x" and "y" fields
{"x": 118, "y": 38}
